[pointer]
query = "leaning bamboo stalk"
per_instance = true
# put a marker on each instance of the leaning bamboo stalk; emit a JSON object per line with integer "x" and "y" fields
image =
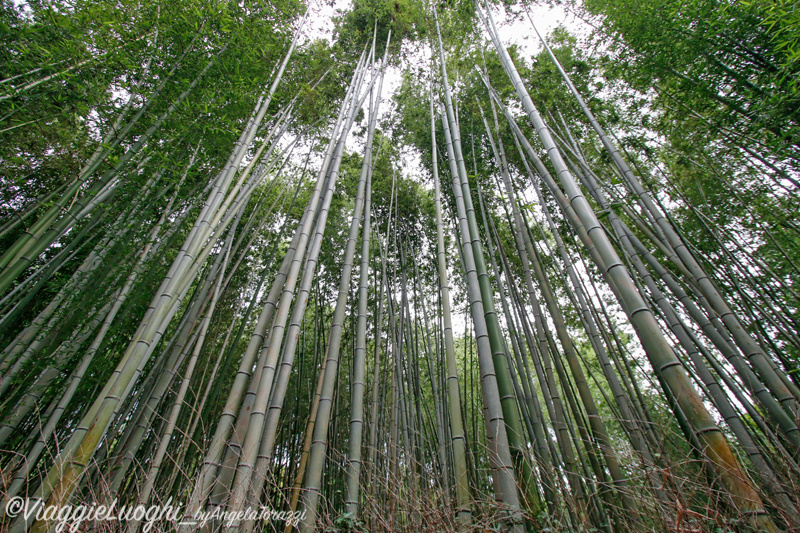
{"x": 77, "y": 377}
{"x": 597, "y": 426}
{"x": 252, "y": 440}
{"x": 181, "y": 345}
{"x": 62, "y": 356}
{"x": 33, "y": 246}
{"x": 36, "y": 337}
{"x": 237, "y": 398}
{"x": 627, "y": 419}
{"x": 319, "y": 443}
{"x": 164, "y": 305}
{"x": 150, "y": 248}
{"x": 725, "y": 347}
{"x": 354, "y": 465}
{"x": 218, "y": 476}
{"x": 499, "y": 449}
{"x": 463, "y": 512}
{"x": 716, "y": 334}
{"x": 656, "y": 347}
{"x": 18, "y": 299}
{"x": 376, "y": 372}
{"x": 692, "y": 346}
{"x": 772, "y": 377}
{"x": 30, "y": 340}
{"x": 166, "y": 436}
{"x": 499, "y": 424}
{"x": 185, "y": 338}
{"x": 709, "y": 322}
{"x": 18, "y": 218}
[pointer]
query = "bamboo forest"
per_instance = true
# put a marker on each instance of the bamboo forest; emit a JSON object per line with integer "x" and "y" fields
{"x": 400, "y": 266}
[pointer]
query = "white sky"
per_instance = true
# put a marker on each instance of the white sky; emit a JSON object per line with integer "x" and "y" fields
{"x": 513, "y": 30}
{"x": 519, "y": 32}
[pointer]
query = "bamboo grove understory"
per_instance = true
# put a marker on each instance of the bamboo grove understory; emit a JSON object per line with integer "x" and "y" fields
{"x": 220, "y": 288}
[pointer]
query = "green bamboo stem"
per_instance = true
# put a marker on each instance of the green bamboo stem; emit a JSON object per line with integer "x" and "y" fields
{"x": 656, "y": 347}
